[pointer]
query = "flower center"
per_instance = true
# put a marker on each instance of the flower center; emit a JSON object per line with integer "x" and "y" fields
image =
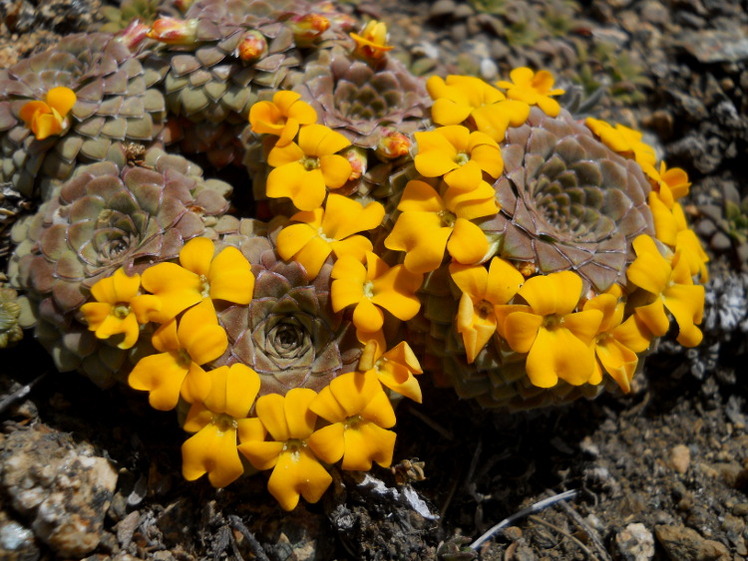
{"x": 294, "y": 446}
{"x": 553, "y": 322}
{"x": 448, "y": 218}
{"x": 224, "y": 422}
{"x": 368, "y": 290}
{"x": 323, "y": 236}
{"x": 484, "y": 309}
{"x": 121, "y": 311}
{"x": 353, "y": 422}
{"x": 462, "y": 158}
{"x": 184, "y": 360}
{"x": 310, "y": 163}
{"x": 204, "y": 286}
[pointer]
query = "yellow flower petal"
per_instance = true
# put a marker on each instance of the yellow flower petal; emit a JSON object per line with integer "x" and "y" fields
{"x": 556, "y": 293}
{"x": 423, "y": 238}
{"x": 319, "y": 140}
{"x": 231, "y": 277}
{"x": 61, "y": 99}
{"x": 328, "y": 443}
{"x": 654, "y": 317}
{"x": 335, "y": 170}
{"x": 298, "y": 473}
{"x": 162, "y": 376}
{"x": 299, "y": 417}
{"x": 262, "y": 455}
{"x": 366, "y": 442}
{"x": 271, "y": 411}
{"x": 619, "y": 361}
{"x": 521, "y": 329}
{"x": 584, "y": 325}
{"x": 558, "y": 353}
{"x": 200, "y": 335}
{"x": 468, "y": 243}
{"x": 367, "y": 317}
{"x": 214, "y": 452}
{"x": 196, "y": 255}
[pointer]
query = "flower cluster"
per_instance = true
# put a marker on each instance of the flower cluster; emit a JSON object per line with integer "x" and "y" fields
{"x": 231, "y": 415}
{"x": 523, "y": 253}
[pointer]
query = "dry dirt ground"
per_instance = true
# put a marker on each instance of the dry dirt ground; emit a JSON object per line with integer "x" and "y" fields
{"x": 659, "y": 474}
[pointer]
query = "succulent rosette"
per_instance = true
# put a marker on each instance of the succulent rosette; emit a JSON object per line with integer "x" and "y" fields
{"x": 289, "y": 333}
{"x": 535, "y": 294}
{"x": 361, "y": 98}
{"x": 72, "y": 104}
{"x": 110, "y": 215}
{"x": 216, "y": 60}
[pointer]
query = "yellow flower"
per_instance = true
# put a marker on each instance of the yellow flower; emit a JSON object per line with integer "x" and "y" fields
{"x": 372, "y": 42}
{"x": 482, "y": 290}
{"x": 395, "y": 368}
{"x": 119, "y": 309}
{"x": 533, "y": 88}
{"x": 626, "y": 142}
{"x": 304, "y": 171}
{"x": 688, "y": 246}
{"x": 329, "y": 230}
{"x": 671, "y": 287}
{"x": 457, "y": 154}
{"x": 227, "y": 276}
{"x": 217, "y": 420}
{"x": 49, "y": 117}
{"x": 667, "y": 221}
{"x": 373, "y": 286}
{"x": 282, "y": 116}
{"x": 672, "y": 184}
{"x": 290, "y": 422}
{"x": 429, "y": 224}
{"x": 557, "y": 339}
{"x": 360, "y": 413}
{"x": 616, "y": 342}
{"x": 466, "y": 97}
{"x": 175, "y": 371}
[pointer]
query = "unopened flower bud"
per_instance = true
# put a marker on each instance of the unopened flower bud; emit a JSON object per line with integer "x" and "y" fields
{"x": 337, "y": 19}
{"x": 183, "y": 5}
{"x": 133, "y": 34}
{"x": 252, "y": 47}
{"x": 357, "y": 157}
{"x": 173, "y": 31}
{"x": 307, "y": 28}
{"x": 393, "y": 144}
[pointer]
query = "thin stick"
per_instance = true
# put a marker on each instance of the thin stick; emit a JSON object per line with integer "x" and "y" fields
{"x": 20, "y": 393}
{"x": 565, "y": 534}
{"x": 255, "y": 545}
{"x": 589, "y": 530}
{"x": 431, "y": 423}
{"x": 532, "y": 509}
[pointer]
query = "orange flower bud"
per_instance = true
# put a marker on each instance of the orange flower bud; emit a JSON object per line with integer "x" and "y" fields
{"x": 183, "y": 5}
{"x": 252, "y": 47}
{"x": 393, "y": 144}
{"x": 173, "y": 31}
{"x": 307, "y": 28}
{"x": 357, "y": 158}
{"x": 133, "y": 34}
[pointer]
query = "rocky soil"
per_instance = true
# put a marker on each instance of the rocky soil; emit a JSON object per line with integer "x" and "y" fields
{"x": 660, "y": 474}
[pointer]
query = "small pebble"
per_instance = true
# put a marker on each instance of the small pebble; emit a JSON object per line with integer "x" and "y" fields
{"x": 680, "y": 458}
{"x": 635, "y": 543}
